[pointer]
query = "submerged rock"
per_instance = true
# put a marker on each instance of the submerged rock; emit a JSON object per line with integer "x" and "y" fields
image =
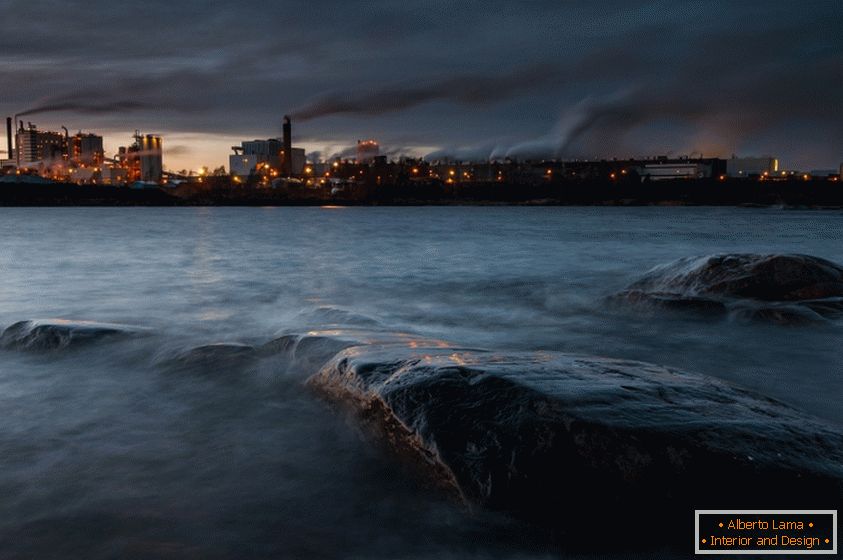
{"x": 778, "y": 288}
{"x": 566, "y": 440}
{"x": 308, "y": 352}
{"x": 213, "y": 357}
{"x": 54, "y": 334}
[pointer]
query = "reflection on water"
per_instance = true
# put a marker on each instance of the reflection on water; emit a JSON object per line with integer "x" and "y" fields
{"x": 106, "y": 453}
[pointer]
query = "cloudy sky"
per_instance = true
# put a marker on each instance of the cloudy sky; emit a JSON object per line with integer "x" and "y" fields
{"x": 462, "y": 79}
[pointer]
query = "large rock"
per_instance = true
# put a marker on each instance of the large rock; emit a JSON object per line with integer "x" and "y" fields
{"x": 575, "y": 442}
{"x": 54, "y": 334}
{"x": 777, "y": 288}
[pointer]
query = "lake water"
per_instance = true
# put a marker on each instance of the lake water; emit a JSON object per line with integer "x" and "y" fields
{"x": 105, "y": 454}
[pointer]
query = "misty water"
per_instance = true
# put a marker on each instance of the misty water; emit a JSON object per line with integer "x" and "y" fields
{"x": 106, "y": 453}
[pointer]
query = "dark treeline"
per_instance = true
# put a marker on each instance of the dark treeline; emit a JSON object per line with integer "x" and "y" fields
{"x": 817, "y": 193}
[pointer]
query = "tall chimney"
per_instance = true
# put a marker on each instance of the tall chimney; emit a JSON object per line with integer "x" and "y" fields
{"x": 288, "y": 147}
{"x": 10, "y": 148}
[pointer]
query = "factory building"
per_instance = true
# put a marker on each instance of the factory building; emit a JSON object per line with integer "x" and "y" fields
{"x": 85, "y": 150}
{"x": 256, "y": 156}
{"x": 114, "y": 175}
{"x": 251, "y": 156}
{"x": 35, "y": 146}
{"x": 677, "y": 170}
{"x": 751, "y": 166}
{"x": 143, "y": 160}
{"x": 9, "y": 161}
{"x": 151, "y": 156}
{"x": 367, "y": 151}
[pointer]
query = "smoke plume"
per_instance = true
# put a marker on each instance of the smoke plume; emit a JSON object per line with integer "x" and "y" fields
{"x": 86, "y": 108}
{"x": 466, "y": 90}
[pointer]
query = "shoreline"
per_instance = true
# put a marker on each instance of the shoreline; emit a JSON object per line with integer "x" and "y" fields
{"x": 820, "y": 195}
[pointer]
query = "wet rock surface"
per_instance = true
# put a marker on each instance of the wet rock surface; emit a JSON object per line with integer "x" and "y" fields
{"x": 54, "y": 334}
{"x": 220, "y": 357}
{"x": 562, "y": 440}
{"x": 786, "y": 289}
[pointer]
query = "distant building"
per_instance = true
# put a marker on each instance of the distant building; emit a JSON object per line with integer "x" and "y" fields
{"x": 367, "y": 151}
{"x": 35, "y": 146}
{"x": 85, "y": 150}
{"x": 151, "y": 155}
{"x": 256, "y": 155}
{"x": 82, "y": 175}
{"x": 751, "y": 166}
{"x": 143, "y": 160}
{"x": 114, "y": 175}
{"x": 9, "y": 161}
{"x": 676, "y": 170}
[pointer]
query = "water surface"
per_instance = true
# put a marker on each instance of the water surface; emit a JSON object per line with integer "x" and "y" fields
{"x": 104, "y": 453}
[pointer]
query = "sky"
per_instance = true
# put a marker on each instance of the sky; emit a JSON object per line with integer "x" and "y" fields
{"x": 441, "y": 79}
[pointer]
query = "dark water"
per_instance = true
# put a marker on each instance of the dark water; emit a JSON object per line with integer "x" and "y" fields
{"x": 104, "y": 453}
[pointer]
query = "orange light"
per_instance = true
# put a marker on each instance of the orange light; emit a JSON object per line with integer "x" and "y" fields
{"x": 612, "y": 175}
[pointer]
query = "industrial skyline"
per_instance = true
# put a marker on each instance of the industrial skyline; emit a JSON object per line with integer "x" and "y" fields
{"x": 466, "y": 81}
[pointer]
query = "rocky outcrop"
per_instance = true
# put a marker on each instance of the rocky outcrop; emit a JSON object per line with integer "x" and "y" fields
{"x": 566, "y": 440}
{"x": 56, "y": 334}
{"x": 776, "y": 288}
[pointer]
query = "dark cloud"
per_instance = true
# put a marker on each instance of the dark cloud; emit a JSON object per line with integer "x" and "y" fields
{"x": 526, "y": 79}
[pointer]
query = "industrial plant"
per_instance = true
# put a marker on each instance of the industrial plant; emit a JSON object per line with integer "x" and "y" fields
{"x": 44, "y": 156}
{"x": 80, "y": 158}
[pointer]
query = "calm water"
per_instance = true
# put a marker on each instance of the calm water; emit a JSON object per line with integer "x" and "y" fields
{"x": 104, "y": 454}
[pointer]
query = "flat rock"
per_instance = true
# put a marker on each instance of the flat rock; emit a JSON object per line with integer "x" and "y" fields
{"x": 565, "y": 440}
{"x": 786, "y": 289}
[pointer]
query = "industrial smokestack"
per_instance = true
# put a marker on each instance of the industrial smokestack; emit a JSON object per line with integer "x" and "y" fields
{"x": 288, "y": 147}
{"x": 10, "y": 149}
